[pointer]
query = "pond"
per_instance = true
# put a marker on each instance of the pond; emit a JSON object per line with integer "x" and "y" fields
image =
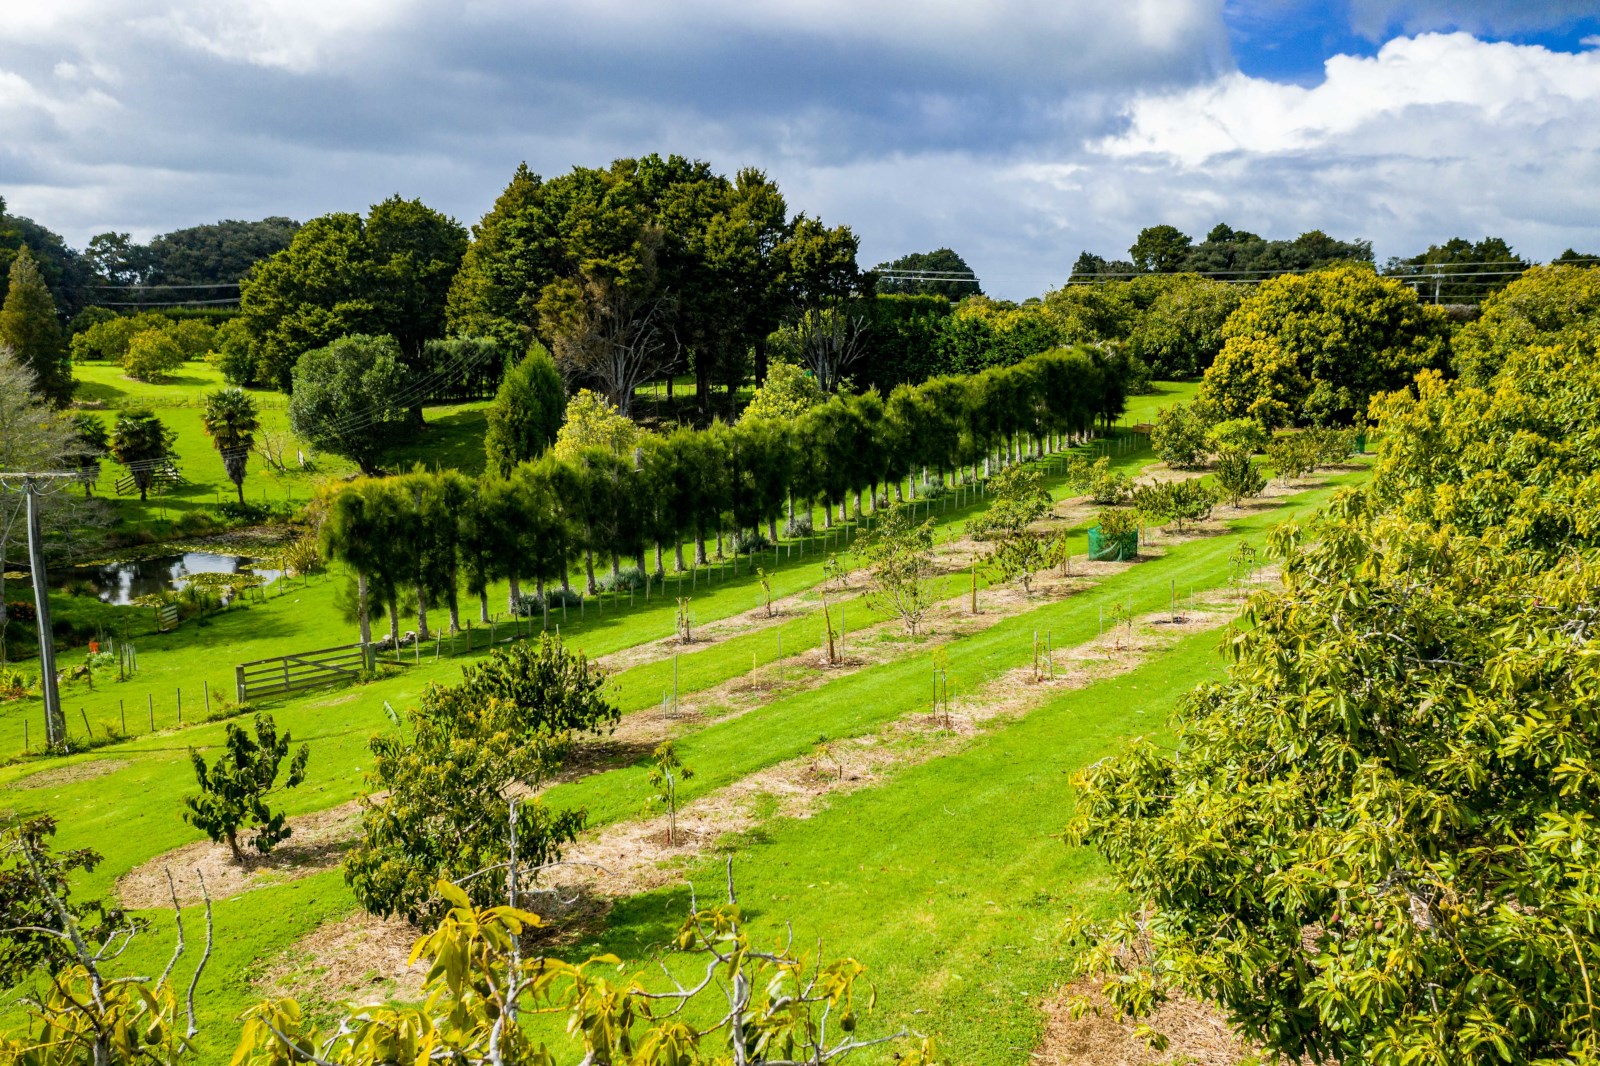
{"x": 122, "y": 583}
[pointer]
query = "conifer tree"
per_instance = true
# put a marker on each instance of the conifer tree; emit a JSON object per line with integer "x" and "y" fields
{"x": 30, "y": 328}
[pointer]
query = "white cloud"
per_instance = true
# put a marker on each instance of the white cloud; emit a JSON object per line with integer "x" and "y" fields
{"x": 1377, "y": 18}
{"x": 1401, "y": 89}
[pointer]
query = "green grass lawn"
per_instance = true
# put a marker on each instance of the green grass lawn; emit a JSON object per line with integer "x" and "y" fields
{"x": 452, "y": 437}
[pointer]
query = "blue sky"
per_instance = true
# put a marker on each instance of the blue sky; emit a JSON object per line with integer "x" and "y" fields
{"x": 1016, "y": 131}
{"x": 1289, "y": 40}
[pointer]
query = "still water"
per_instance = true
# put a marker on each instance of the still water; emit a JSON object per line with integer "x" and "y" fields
{"x": 122, "y": 583}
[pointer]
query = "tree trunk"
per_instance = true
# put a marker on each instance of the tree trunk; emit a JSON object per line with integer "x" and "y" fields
{"x": 363, "y": 612}
{"x": 233, "y": 846}
{"x": 642, "y": 569}
{"x": 772, "y": 530}
{"x": 394, "y": 621}
{"x": 422, "y": 614}
{"x": 761, "y": 360}
{"x": 588, "y": 569}
{"x": 677, "y": 552}
{"x": 513, "y": 595}
{"x": 827, "y": 514}
{"x": 719, "y": 542}
{"x": 699, "y": 546}
{"x": 483, "y": 606}
{"x": 454, "y": 603}
{"x": 616, "y": 571}
{"x": 238, "y": 485}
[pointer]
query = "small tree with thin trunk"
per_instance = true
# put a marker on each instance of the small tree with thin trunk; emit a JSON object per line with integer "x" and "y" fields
{"x": 231, "y": 422}
{"x": 234, "y": 789}
{"x": 142, "y": 444}
{"x": 899, "y": 560}
{"x": 666, "y": 771}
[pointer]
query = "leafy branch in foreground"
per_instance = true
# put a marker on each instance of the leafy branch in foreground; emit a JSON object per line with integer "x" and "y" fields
{"x": 83, "y": 1015}
{"x": 774, "y": 1006}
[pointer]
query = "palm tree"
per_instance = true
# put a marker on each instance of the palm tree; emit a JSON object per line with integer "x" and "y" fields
{"x": 142, "y": 444}
{"x": 230, "y": 420}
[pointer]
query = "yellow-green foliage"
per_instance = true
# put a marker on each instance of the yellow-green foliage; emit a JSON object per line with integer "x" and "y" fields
{"x": 1547, "y": 305}
{"x": 591, "y": 422}
{"x": 788, "y": 393}
{"x": 1313, "y": 348}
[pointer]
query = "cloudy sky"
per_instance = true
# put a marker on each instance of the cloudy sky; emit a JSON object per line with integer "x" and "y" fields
{"x": 1016, "y": 131}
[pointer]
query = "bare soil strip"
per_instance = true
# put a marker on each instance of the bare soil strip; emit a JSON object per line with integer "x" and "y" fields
{"x": 318, "y": 843}
{"x": 1197, "y": 1034}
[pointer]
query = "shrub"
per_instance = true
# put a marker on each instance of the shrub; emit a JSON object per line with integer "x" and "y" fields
{"x": 798, "y": 526}
{"x": 1238, "y": 478}
{"x": 626, "y": 579}
{"x": 442, "y": 814}
{"x": 234, "y": 789}
{"x": 749, "y": 541}
{"x": 1294, "y": 455}
{"x": 1098, "y": 481}
{"x": 1117, "y": 522}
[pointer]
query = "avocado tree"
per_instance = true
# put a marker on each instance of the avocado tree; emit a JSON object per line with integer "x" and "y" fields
{"x": 234, "y": 789}
{"x": 666, "y": 771}
{"x": 1017, "y": 551}
{"x": 898, "y": 554}
{"x": 437, "y": 793}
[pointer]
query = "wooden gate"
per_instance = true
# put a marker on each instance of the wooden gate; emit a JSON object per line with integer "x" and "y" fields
{"x": 308, "y": 669}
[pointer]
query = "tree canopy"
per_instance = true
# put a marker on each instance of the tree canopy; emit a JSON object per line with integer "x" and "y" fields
{"x": 388, "y": 273}
{"x": 348, "y": 398}
{"x": 938, "y": 261}
{"x": 1548, "y": 305}
{"x": 30, "y": 328}
{"x": 1312, "y": 348}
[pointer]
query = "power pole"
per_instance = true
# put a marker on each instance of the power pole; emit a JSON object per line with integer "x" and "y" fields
{"x": 55, "y": 723}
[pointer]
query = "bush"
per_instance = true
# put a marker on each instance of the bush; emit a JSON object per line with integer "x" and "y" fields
{"x": 748, "y": 542}
{"x": 1099, "y": 482}
{"x": 234, "y": 789}
{"x": 1294, "y": 455}
{"x": 1115, "y": 522}
{"x": 626, "y": 579}
{"x": 151, "y": 355}
{"x": 436, "y": 806}
{"x": 798, "y": 526}
{"x": 1238, "y": 478}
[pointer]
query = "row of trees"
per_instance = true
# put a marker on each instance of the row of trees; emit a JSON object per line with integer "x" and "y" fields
{"x": 428, "y": 534}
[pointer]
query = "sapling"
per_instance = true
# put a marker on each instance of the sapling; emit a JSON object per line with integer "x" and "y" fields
{"x": 234, "y": 789}
{"x": 665, "y": 773}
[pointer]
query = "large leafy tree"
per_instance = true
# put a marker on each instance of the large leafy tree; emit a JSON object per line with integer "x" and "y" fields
{"x": 527, "y": 412}
{"x": 219, "y": 252}
{"x": 1312, "y": 348}
{"x": 30, "y": 328}
{"x": 945, "y": 267}
{"x": 1459, "y": 270}
{"x": 1160, "y": 249}
{"x": 347, "y": 398}
{"x": 65, "y": 271}
{"x": 1181, "y": 332}
{"x": 439, "y": 788}
{"x": 1548, "y": 305}
{"x": 1374, "y": 840}
{"x": 341, "y": 274}
{"x": 230, "y": 419}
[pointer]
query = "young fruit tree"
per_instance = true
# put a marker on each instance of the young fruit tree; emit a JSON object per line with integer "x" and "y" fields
{"x": 435, "y": 806}
{"x": 1017, "y": 550}
{"x": 90, "y": 1011}
{"x": 1238, "y": 478}
{"x": 898, "y": 556}
{"x": 234, "y": 789}
{"x": 666, "y": 771}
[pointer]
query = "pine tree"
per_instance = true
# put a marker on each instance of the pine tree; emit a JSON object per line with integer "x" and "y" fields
{"x": 527, "y": 412}
{"x": 29, "y": 326}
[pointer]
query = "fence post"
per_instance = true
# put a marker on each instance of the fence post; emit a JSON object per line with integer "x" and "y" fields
{"x": 238, "y": 682}
{"x": 180, "y": 706}
{"x": 206, "y": 686}
{"x": 150, "y": 702}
